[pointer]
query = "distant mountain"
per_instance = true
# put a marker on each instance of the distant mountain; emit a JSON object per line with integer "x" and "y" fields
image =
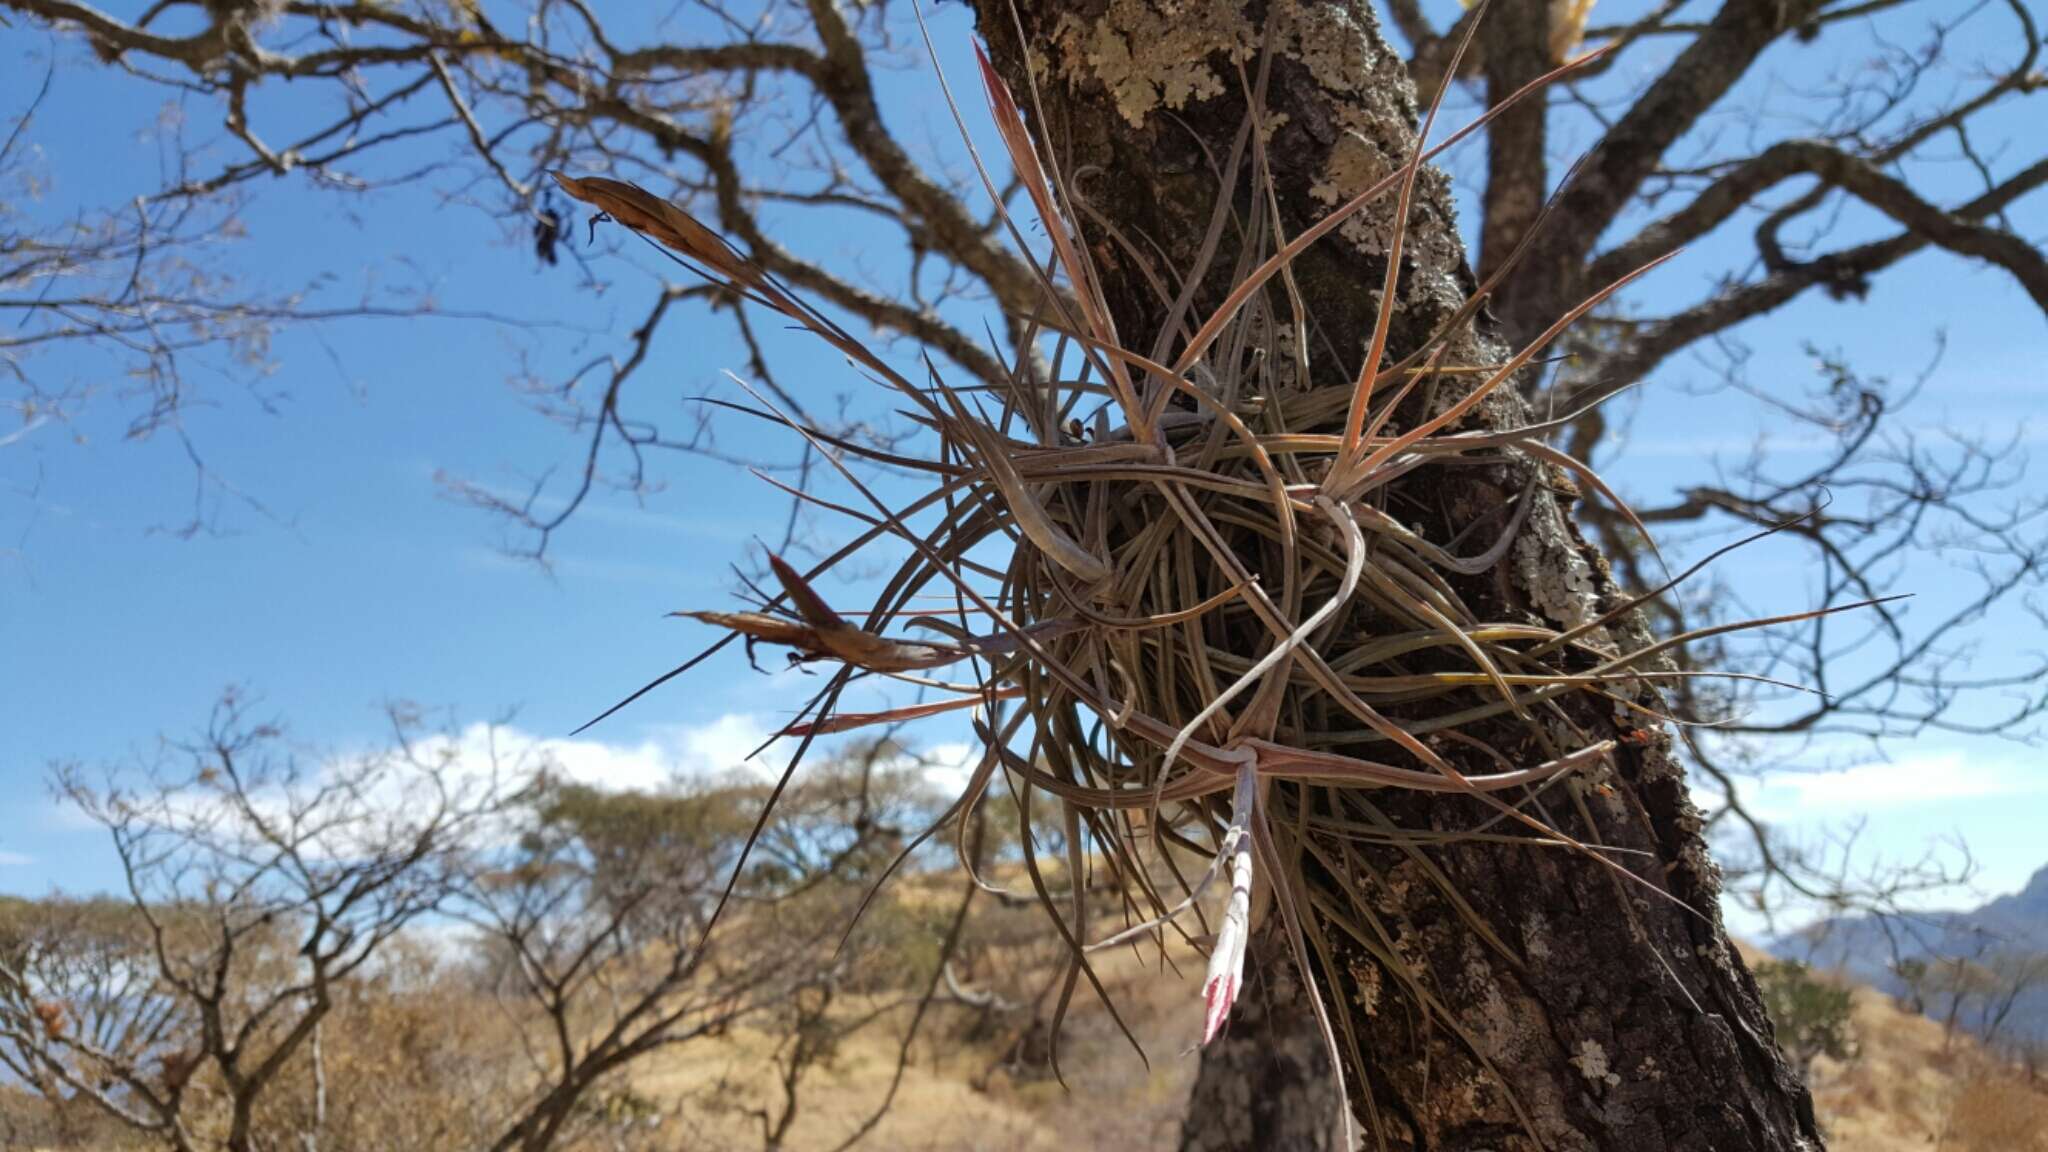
{"x": 1870, "y": 948}
{"x": 2023, "y": 913}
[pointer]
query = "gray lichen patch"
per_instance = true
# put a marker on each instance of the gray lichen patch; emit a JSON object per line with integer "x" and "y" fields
{"x": 1154, "y": 54}
{"x": 1370, "y": 105}
{"x": 1365, "y": 979}
{"x": 1165, "y": 55}
{"x": 1041, "y": 64}
{"x": 1549, "y": 567}
{"x": 1355, "y": 163}
{"x": 1323, "y": 37}
{"x": 1270, "y": 123}
{"x": 1536, "y": 936}
{"x": 1591, "y": 1061}
{"x": 1505, "y": 1026}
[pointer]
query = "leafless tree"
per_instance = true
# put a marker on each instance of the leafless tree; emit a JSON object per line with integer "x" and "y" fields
{"x": 256, "y": 884}
{"x": 141, "y": 306}
{"x": 77, "y": 971}
{"x": 1975, "y": 988}
{"x": 2016, "y": 973}
{"x": 596, "y": 930}
{"x": 275, "y": 936}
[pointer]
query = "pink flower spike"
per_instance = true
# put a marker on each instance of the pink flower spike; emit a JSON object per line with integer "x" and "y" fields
{"x": 1219, "y": 993}
{"x": 1226, "y": 957}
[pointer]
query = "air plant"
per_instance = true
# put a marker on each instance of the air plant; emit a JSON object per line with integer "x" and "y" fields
{"x": 1207, "y": 630}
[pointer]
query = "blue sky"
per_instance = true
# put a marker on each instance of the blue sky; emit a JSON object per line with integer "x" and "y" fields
{"x": 367, "y": 584}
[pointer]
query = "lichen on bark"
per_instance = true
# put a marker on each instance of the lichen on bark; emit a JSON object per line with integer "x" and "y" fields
{"x": 1153, "y": 54}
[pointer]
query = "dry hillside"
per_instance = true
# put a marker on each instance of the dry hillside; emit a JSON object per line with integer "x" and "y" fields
{"x": 968, "y": 1088}
{"x": 978, "y": 1079}
{"x": 1906, "y": 1091}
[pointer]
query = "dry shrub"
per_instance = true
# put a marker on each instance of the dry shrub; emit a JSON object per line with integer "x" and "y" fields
{"x": 30, "y": 1121}
{"x": 978, "y": 1077}
{"x": 1995, "y": 1112}
{"x": 413, "y": 1056}
{"x": 1810, "y": 1014}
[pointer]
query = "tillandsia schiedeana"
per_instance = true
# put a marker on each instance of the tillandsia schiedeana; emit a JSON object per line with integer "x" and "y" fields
{"x": 1167, "y": 583}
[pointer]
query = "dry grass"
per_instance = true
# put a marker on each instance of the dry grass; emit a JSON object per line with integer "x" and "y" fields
{"x": 972, "y": 1078}
{"x": 956, "y": 1090}
{"x": 1904, "y": 1092}
{"x": 1908, "y": 1091}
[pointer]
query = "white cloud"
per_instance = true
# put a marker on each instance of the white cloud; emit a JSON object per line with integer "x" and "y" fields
{"x": 480, "y": 759}
{"x": 671, "y": 755}
{"x": 1928, "y": 778}
{"x": 485, "y": 757}
{"x": 14, "y": 859}
{"x": 948, "y": 766}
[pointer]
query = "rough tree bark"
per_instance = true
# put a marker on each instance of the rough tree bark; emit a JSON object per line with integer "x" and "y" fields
{"x": 1625, "y": 1021}
{"x": 1265, "y": 1083}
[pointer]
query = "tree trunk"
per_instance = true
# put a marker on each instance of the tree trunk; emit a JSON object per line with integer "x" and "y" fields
{"x": 1608, "y": 1012}
{"x": 1265, "y": 1083}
